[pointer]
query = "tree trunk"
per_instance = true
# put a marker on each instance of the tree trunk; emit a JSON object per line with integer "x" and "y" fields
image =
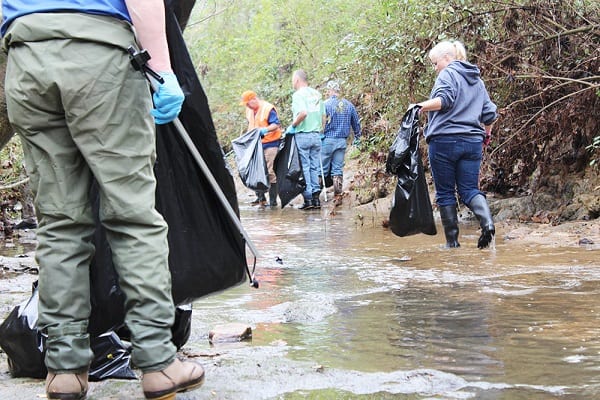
{"x": 6, "y": 131}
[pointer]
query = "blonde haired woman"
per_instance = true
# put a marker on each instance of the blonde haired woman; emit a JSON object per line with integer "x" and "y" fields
{"x": 460, "y": 118}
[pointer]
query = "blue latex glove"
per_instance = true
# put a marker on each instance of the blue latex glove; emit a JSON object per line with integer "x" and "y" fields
{"x": 290, "y": 130}
{"x": 322, "y": 136}
{"x": 356, "y": 141}
{"x": 263, "y": 131}
{"x": 168, "y": 99}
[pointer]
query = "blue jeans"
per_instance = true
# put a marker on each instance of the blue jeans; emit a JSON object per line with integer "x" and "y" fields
{"x": 332, "y": 155}
{"x": 309, "y": 150}
{"x": 455, "y": 167}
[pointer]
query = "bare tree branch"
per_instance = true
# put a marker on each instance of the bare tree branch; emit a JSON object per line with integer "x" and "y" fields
{"x": 14, "y": 184}
{"x": 525, "y": 99}
{"x": 566, "y": 33}
{"x": 541, "y": 110}
{"x": 215, "y": 12}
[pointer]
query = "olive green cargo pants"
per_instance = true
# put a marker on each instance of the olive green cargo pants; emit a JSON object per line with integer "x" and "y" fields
{"x": 83, "y": 112}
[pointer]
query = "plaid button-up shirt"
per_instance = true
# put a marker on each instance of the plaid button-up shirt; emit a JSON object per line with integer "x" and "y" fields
{"x": 341, "y": 116}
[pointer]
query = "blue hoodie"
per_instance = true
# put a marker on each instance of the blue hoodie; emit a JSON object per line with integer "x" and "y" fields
{"x": 466, "y": 103}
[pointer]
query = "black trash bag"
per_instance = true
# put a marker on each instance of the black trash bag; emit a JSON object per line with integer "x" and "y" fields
{"x": 250, "y": 161}
{"x": 290, "y": 178}
{"x": 183, "y": 10}
{"x": 111, "y": 358}
{"x": 182, "y": 328}
{"x": 411, "y": 211}
{"x": 206, "y": 249}
{"x": 23, "y": 344}
{"x": 106, "y": 298}
{"x": 398, "y": 159}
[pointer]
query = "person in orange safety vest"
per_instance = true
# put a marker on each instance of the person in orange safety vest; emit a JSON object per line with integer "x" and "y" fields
{"x": 262, "y": 115}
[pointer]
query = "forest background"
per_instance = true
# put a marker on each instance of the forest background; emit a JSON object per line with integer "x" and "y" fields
{"x": 540, "y": 61}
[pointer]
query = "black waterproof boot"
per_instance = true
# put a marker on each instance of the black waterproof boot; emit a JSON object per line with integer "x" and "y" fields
{"x": 263, "y": 200}
{"x": 450, "y": 222}
{"x": 260, "y": 199}
{"x": 273, "y": 195}
{"x": 308, "y": 205}
{"x": 316, "y": 202}
{"x": 480, "y": 208}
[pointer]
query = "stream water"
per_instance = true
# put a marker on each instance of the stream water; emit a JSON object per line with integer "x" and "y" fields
{"x": 346, "y": 309}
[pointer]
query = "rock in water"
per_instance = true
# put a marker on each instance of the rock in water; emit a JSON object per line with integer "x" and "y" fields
{"x": 233, "y": 332}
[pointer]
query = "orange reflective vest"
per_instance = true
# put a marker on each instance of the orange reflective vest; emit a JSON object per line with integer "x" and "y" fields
{"x": 260, "y": 119}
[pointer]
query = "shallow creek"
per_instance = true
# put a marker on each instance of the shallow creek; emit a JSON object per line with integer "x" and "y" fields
{"x": 347, "y": 310}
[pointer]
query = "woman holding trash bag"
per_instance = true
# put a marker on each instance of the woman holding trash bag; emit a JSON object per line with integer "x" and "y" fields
{"x": 82, "y": 111}
{"x": 460, "y": 119}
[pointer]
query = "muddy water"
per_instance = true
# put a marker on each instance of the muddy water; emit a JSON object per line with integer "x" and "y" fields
{"x": 345, "y": 309}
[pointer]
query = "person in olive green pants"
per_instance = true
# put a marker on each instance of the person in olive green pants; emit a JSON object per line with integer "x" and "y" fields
{"x": 83, "y": 112}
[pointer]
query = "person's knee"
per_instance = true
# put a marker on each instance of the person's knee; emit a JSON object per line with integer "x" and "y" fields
{"x": 444, "y": 199}
{"x": 467, "y": 196}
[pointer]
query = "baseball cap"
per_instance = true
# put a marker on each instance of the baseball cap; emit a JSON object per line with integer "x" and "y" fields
{"x": 247, "y": 96}
{"x": 333, "y": 85}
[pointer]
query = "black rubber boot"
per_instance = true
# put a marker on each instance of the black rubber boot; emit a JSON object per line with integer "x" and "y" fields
{"x": 263, "y": 200}
{"x": 260, "y": 199}
{"x": 316, "y": 202}
{"x": 307, "y": 205}
{"x": 480, "y": 208}
{"x": 449, "y": 217}
{"x": 273, "y": 195}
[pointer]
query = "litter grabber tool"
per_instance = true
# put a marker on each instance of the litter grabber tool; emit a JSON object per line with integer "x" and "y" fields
{"x": 139, "y": 60}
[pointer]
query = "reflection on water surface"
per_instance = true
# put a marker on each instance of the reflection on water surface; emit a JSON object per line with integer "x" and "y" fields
{"x": 354, "y": 312}
{"x": 388, "y": 316}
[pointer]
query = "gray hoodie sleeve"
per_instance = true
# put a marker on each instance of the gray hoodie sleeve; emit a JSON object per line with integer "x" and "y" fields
{"x": 488, "y": 113}
{"x": 445, "y": 89}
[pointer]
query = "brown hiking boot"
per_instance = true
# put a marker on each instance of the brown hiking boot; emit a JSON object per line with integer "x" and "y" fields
{"x": 179, "y": 376}
{"x": 66, "y": 386}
